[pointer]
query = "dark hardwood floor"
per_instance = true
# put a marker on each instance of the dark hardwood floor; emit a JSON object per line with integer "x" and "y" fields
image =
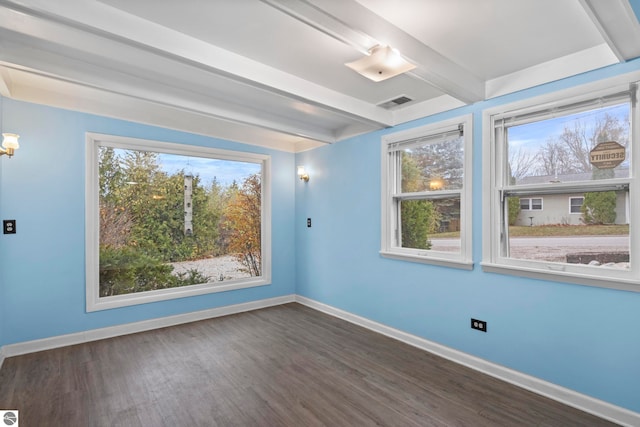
{"x": 282, "y": 366}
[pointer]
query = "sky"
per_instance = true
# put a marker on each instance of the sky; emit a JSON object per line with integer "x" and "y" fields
{"x": 225, "y": 171}
{"x": 534, "y": 135}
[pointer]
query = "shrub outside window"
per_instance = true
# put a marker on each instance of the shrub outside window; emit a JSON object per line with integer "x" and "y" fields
{"x": 426, "y": 187}
{"x": 578, "y": 150}
{"x": 168, "y": 220}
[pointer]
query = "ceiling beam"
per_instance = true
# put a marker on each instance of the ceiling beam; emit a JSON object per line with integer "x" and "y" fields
{"x": 52, "y": 66}
{"x": 569, "y": 65}
{"x": 617, "y": 24}
{"x": 5, "y": 83}
{"x": 355, "y": 25}
{"x": 71, "y": 96}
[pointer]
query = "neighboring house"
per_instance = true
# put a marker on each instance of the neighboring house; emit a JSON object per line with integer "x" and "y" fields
{"x": 564, "y": 209}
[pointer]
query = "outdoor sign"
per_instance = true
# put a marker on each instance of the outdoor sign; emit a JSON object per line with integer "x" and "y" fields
{"x": 607, "y": 155}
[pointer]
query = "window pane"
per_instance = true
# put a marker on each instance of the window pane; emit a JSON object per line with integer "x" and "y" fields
{"x": 558, "y": 149}
{"x": 536, "y": 204}
{"x": 433, "y": 166}
{"x": 576, "y": 204}
{"x": 598, "y": 236}
{"x": 169, "y": 220}
{"x": 431, "y": 224}
{"x": 524, "y": 204}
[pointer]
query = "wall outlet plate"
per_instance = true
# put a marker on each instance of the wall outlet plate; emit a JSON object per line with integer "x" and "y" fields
{"x": 479, "y": 325}
{"x": 9, "y": 226}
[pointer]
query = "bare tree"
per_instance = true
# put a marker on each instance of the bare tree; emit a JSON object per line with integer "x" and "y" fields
{"x": 521, "y": 163}
{"x": 553, "y": 158}
{"x": 115, "y": 225}
{"x": 580, "y": 139}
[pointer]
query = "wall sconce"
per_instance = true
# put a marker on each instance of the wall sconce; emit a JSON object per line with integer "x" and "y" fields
{"x": 303, "y": 174}
{"x": 9, "y": 144}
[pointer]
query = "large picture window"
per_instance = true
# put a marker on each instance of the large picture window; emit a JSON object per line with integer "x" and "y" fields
{"x": 168, "y": 220}
{"x": 578, "y": 150}
{"x": 426, "y": 213}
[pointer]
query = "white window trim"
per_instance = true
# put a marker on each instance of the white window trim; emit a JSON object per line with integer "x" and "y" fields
{"x": 570, "y": 206}
{"x": 462, "y": 260}
{"x": 530, "y": 208}
{"x": 93, "y": 300}
{"x": 491, "y": 261}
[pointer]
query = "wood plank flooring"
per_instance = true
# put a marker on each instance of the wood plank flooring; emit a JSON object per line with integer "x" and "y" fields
{"x": 281, "y": 366}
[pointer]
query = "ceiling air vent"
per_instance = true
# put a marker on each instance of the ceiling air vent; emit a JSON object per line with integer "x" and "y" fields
{"x": 395, "y": 102}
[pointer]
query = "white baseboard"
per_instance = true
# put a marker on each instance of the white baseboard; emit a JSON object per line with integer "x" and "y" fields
{"x": 563, "y": 395}
{"x": 130, "y": 328}
{"x": 1, "y": 357}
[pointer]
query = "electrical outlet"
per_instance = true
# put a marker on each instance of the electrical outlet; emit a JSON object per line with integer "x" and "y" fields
{"x": 9, "y": 226}
{"x": 309, "y": 222}
{"x": 480, "y": 325}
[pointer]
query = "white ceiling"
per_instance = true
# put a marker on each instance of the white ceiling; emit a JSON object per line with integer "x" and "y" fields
{"x": 272, "y": 73}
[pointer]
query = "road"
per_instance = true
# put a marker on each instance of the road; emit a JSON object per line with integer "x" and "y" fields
{"x": 553, "y": 249}
{"x": 588, "y": 242}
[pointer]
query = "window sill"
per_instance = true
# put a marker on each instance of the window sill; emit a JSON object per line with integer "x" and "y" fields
{"x": 561, "y": 276}
{"x": 443, "y": 262}
{"x": 117, "y": 301}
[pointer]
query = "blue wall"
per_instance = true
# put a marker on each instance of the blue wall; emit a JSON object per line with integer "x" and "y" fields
{"x": 579, "y": 337}
{"x": 42, "y": 288}
{"x": 635, "y": 4}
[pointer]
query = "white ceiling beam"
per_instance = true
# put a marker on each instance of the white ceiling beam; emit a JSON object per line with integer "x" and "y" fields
{"x": 94, "y": 101}
{"x": 325, "y": 23}
{"x": 617, "y": 24}
{"x": 5, "y": 83}
{"x": 118, "y": 83}
{"x": 569, "y": 65}
{"x": 357, "y": 26}
{"x": 98, "y": 19}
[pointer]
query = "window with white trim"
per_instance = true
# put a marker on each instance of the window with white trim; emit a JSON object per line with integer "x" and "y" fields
{"x": 167, "y": 221}
{"x": 575, "y": 205}
{"x": 553, "y": 150}
{"x": 531, "y": 204}
{"x": 426, "y": 194}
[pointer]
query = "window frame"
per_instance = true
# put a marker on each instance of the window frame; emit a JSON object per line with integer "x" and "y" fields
{"x": 389, "y": 249}
{"x": 92, "y": 221}
{"x": 571, "y": 198}
{"x": 492, "y": 261}
{"x": 531, "y": 205}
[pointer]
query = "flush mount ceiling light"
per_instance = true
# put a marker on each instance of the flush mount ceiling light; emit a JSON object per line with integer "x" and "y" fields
{"x": 382, "y": 63}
